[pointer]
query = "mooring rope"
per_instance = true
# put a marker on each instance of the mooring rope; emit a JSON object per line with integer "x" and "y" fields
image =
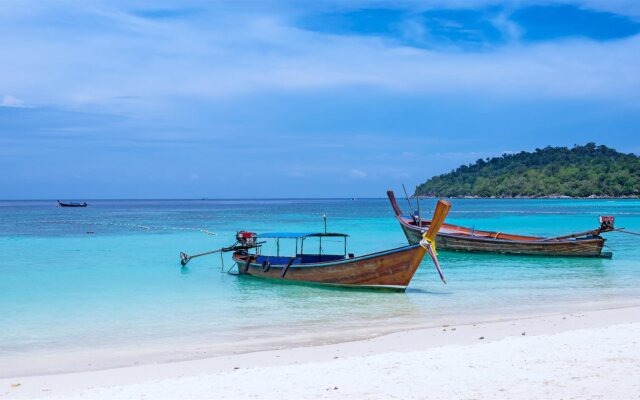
{"x": 428, "y": 243}
{"x": 625, "y": 231}
{"x": 232, "y": 267}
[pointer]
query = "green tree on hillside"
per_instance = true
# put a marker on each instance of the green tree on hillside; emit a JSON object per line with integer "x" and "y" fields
{"x": 580, "y": 171}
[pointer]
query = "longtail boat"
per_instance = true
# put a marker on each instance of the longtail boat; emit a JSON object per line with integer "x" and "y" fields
{"x": 389, "y": 269}
{"x": 72, "y": 204}
{"x": 458, "y": 238}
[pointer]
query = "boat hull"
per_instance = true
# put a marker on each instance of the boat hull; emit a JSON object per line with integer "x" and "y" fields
{"x": 61, "y": 204}
{"x": 564, "y": 248}
{"x": 388, "y": 270}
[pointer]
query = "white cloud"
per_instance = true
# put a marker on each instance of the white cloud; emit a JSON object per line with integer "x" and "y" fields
{"x": 357, "y": 174}
{"x": 120, "y": 56}
{"x": 623, "y": 7}
{"x": 511, "y": 31}
{"x": 11, "y": 101}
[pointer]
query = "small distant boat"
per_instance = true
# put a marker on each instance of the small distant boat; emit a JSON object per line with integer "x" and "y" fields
{"x": 389, "y": 269}
{"x": 458, "y": 238}
{"x": 72, "y": 204}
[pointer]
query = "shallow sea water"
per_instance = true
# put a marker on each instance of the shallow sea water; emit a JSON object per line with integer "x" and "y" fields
{"x": 66, "y": 291}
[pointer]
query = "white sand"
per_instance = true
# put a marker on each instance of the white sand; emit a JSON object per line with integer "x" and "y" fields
{"x": 594, "y": 354}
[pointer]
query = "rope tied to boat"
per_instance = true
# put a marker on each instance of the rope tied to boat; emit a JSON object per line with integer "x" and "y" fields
{"x": 429, "y": 244}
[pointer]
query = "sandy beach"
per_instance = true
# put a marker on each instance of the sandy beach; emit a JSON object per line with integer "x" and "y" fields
{"x": 591, "y": 354}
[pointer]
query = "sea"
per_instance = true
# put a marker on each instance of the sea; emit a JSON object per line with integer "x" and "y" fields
{"x": 102, "y": 286}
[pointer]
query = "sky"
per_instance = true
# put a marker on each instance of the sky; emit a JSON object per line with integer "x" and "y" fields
{"x": 274, "y": 99}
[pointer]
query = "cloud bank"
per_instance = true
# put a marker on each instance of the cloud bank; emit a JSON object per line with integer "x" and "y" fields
{"x": 99, "y": 54}
{"x": 162, "y": 99}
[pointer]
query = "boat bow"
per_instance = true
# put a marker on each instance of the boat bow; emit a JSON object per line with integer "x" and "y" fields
{"x": 429, "y": 237}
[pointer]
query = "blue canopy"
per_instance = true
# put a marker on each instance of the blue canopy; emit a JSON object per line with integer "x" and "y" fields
{"x": 296, "y": 235}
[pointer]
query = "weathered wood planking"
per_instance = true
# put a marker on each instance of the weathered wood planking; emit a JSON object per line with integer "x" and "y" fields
{"x": 390, "y": 269}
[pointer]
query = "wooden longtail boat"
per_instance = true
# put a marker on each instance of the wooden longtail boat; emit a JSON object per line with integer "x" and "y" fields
{"x": 389, "y": 269}
{"x": 72, "y": 204}
{"x": 458, "y": 238}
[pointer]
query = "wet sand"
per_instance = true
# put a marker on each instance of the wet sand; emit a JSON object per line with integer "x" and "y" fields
{"x": 581, "y": 354}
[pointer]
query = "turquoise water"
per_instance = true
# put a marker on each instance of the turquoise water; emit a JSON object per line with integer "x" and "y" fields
{"x": 66, "y": 291}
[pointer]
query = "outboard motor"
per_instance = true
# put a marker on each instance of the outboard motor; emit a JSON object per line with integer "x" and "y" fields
{"x": 606, "y": 223}
{"x": 244, "y": 241}
{"x": 248, "y": 239}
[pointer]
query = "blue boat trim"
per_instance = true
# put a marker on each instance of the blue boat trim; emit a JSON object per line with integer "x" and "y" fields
{"x": 341, "y": 261}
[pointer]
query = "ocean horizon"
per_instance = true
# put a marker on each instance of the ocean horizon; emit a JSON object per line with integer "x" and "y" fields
{"x": 354, "y": 198}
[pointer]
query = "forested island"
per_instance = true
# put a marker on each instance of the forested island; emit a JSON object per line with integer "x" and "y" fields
{"x": 580, "y": 171}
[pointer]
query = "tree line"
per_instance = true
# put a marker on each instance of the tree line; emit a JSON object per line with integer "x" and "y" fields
{"x": 580, "y": 171}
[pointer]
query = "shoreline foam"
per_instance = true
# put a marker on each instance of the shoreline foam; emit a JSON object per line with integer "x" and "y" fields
{"x": 63, "y": 360}
{"x": 389, "y": 357}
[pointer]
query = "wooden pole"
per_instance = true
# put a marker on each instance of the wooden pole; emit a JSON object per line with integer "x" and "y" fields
{"x": 440, "y": 213}
{"x": 413, "y": 216}
{"x": 419, "y": 219}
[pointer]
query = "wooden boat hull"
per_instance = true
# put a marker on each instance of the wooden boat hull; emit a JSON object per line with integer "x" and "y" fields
{"x": 389, "y": 270}
{"x": 565, "y": 248}
{"x": 457, "y": 238}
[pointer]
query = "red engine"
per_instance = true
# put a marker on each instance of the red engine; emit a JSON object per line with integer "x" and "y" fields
{"x": 606, "y": 223}
{"x": 247, "y": 238}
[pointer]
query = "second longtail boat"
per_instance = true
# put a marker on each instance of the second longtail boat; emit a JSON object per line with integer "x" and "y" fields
{"x": 459, "y": 238}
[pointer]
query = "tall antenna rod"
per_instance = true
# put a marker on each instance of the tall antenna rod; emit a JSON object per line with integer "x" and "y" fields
{"x": 418, "y": 203}
{"x": 413, "y": 215}
{"x": 324, "y": 217}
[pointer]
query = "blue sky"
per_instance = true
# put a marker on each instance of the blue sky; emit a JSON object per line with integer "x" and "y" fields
{"x": 301, "y": 99}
